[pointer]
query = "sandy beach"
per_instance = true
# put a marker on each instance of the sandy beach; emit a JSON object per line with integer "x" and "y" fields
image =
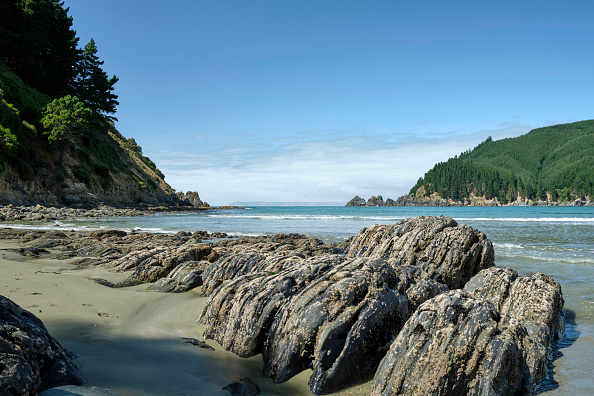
{"x": 128, "y": 340}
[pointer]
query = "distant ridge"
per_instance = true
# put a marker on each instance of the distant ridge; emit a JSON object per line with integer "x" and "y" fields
{"x": 548, "y": 165}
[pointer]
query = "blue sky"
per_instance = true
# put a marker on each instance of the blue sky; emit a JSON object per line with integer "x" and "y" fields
{"x": 321, "y": 100}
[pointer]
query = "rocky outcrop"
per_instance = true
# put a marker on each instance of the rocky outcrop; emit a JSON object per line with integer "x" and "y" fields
{"x": 239, "y": 313}
{"x": 47, "y": 214}
{"x": 334, "y": 313}
{"x": 445, "y": 251}
{"x": 184, "y": 277}
{"x": 191, "y": 198}
{"x": 283, "y": 244}
{"x": 375, "y": 201}
{"x": 340, "y": 325}
{"x": 31, "y": 360}
{"x": 356, "y": 201}
{"x": 491, "y": 338}
{"x": 154, "y": 264}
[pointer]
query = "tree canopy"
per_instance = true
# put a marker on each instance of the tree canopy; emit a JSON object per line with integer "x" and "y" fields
{"x": 555, "y": 162}
{"x": 63, "y": 119}
{"x": 38, "y": 43}
{"x": 92, "y": 85}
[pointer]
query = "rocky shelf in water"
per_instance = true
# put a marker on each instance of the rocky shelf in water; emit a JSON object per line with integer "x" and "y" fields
{"x": 419, "y": 303}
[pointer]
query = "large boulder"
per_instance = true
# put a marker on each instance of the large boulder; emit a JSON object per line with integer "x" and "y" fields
{"x": 491, "y": 338}
{"x": 446, "y": 252}
{"x": 31, "y": 360}
{"x": 340, "y": 325}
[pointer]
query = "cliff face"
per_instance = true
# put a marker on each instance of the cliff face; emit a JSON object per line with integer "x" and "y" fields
{"x": 102, "y": 167}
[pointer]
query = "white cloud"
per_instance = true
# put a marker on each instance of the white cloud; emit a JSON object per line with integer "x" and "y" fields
{"x": 314, "y": 166}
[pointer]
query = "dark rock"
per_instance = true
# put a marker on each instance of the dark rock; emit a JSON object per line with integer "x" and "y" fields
{"x": 198, "y": 343}
{"x": 240, "y": 312}
{"x": 446, "y": 252}
{"x": 375, "y": 201}
{"x": 125, "y": 283}
{"x": 440, "y": 348}
{"x": 107, "y": 233}
{"x": 31, "y": 360}
{"x": 72, "y": 390}
{"x": 151, "y": 265}
{"x": 30, "y": 251}
{"x": 243, "y": 387}
{"x": 184, "y": 277}
{"x": 340, "y": 325}
{"x": 356, "y": 201}
{"x": 492, "y": 338}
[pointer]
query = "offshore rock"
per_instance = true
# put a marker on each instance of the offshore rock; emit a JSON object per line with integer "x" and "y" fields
{"x": 239, "y": 313}
{"x": 31, "y": 360}
{"x": 445, "y": 251}
{"x": 356, "y": 201}
{"x": 492, "y": 338}
{"x": 375, "y": 201}
{"x": 191, "y": 198}
{"x": 340, "y": 325}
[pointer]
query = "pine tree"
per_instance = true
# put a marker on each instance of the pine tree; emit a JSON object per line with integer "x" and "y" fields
{"x": 92, "y": 85}
{"x": 38, "y": 43}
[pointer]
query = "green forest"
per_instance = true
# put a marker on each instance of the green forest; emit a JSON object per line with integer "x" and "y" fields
{"x": 57, "y": 104}
{"x": 554, "y": 163}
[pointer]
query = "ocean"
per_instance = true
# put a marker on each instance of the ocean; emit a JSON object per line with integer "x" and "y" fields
{"x": 558, "y": 241}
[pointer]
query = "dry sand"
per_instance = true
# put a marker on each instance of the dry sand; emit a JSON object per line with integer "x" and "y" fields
{"x": 128, "y": 340}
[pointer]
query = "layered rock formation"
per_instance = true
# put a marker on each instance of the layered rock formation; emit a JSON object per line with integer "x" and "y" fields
{"x": 491, "y": 338}
{"x": 336, "y": 313}
{"x": 31, "y": 360}
{"x": 421, "y": 299}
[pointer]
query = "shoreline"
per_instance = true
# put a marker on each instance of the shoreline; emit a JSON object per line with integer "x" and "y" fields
{"x": 149, "y": 331}
{"x": 129, "y": 340}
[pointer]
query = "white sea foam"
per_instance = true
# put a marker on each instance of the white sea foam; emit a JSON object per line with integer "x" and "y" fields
{"x": 533, "y": 219}
{"x": 508, "y": 246}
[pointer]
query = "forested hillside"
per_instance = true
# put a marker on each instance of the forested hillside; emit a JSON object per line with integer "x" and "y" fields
{"x": 58, "y": 142}
{"x": 555, "y": 163}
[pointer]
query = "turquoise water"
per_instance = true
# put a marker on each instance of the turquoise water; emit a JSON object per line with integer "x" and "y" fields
{"x": 558, "y": 241}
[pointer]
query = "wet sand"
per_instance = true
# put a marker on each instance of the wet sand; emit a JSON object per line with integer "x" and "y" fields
{"x": 128, "y": 340}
